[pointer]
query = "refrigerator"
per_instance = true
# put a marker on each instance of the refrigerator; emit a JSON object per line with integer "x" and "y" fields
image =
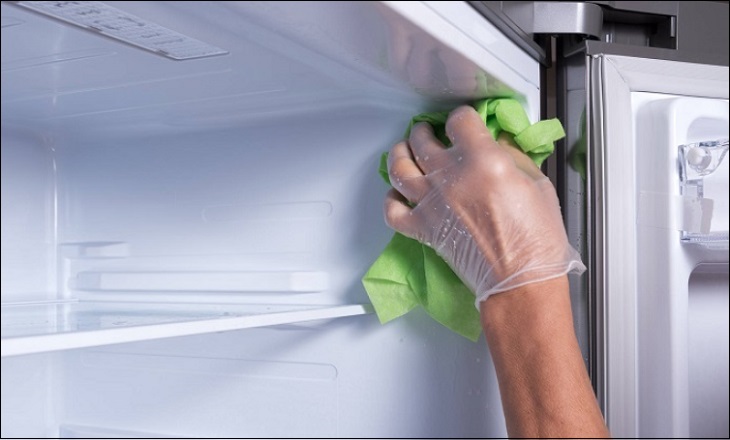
{"x": 190, "y": 198}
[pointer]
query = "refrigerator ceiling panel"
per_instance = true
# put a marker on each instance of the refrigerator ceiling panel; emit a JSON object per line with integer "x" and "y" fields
{"x": 282, "y": 55}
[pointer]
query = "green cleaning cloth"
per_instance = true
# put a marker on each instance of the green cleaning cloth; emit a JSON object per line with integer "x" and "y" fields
{"x": 408, "y": 273}
{"x": 577, "y": 157}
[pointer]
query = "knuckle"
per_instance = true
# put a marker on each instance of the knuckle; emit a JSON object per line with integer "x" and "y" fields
{"x": 459, "y": 115}
{"x": 390, "y": 215}
{"x": 461, "y": 111}
{"x": 398, "y": 167}
{"x": 400, "y": 146}
{"x": 499, "y": 165}
{"x": 420, "y": 132}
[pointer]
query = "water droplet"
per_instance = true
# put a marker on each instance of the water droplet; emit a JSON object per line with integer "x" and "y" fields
{"x": 448, "y": 207}
{"x": 425, "y": 158}
{"x": 459, "y": 158}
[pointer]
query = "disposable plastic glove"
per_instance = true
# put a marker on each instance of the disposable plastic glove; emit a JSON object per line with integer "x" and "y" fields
{"x": 483, "y": 206}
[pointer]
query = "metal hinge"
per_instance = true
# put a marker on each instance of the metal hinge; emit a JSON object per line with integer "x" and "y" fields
{"x": 649, "y": 24}
{"x": 524, "y": 21}
{"x": 556, "y": 17}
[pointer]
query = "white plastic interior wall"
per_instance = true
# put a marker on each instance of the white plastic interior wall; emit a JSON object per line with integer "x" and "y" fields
{"x": 682, "y": 291}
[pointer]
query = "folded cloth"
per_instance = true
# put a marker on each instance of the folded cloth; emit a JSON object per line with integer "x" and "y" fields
{"x": 409, "y": 273}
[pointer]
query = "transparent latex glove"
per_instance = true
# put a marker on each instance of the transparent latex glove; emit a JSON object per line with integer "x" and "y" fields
{"x": 484, "y": 206}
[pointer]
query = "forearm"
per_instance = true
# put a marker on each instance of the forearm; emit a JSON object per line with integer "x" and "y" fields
{"x": 544, "y": 385}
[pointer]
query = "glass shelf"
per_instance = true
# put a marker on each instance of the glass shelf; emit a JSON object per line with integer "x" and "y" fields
{"x": 51, "y": 326}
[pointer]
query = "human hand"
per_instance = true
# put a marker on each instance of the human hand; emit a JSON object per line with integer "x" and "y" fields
{"x": 482, "y": 205}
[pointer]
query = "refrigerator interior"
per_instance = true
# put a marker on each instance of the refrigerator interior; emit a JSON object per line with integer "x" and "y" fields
{"x": 149, "y": 204}
{"x": 682, "y": 292}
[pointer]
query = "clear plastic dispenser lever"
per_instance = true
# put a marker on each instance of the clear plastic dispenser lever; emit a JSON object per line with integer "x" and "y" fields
{"x": 703, "y": 176}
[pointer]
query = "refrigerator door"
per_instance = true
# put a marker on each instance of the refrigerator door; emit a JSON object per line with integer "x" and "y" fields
{"x": 662, "y": 305}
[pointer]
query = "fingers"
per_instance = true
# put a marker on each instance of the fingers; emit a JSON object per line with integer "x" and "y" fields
{"x": 522, "y": 160}
{"x": 466, "y": 129}
{"x": 398, "y": 215}
{"x": 405, "y": 176}
{"x": 426, "y": 148}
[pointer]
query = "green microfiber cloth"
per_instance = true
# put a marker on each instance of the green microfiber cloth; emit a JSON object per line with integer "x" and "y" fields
{"x": 577, "y": 156}
{"x": 408, "y": 273}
